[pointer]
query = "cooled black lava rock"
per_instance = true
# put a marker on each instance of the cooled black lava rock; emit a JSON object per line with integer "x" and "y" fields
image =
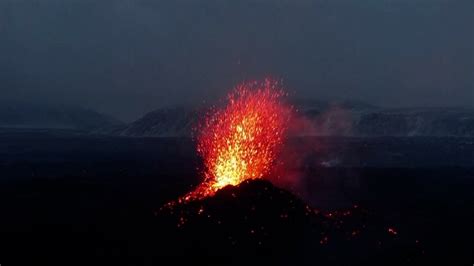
{"x": 261, "y": 222}
{"x": 248, "y": 219}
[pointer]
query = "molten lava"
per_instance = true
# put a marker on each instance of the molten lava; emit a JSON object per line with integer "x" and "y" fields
{"x": 241, "y": 140}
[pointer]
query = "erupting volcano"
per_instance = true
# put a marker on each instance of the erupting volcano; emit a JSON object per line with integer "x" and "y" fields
{"x": 241, "y": 140}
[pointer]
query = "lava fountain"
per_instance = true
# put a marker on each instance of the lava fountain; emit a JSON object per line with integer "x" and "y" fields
{"x": 241, "y": 140}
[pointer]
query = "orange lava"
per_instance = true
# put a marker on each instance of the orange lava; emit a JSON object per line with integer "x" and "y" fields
{"x": 241, "y": 140}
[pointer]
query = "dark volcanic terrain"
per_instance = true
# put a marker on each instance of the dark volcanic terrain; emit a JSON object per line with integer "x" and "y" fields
{"x": 70, "y": 199}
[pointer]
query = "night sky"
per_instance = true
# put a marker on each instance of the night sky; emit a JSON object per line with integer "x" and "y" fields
{"x": 125, "y": 57}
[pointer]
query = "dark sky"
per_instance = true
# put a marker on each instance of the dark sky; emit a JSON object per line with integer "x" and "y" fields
{"x": 128, "y": 57}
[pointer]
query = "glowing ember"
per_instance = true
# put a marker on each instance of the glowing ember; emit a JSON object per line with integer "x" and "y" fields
{"x": 392, "y": 231}
{"x": 241, "y": 140}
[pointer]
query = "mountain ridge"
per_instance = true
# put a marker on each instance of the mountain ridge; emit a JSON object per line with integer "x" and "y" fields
{"x": 21, "y": 115}
{"x": 328, "y": 119}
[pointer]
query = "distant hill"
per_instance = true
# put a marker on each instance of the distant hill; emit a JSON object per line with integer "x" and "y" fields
{"x": 324, "y": 119}
{"x": 373, "y": 122}
{"x": 38, "y": 116}
{"x": 456, "y": 122}
{"x": 166, "y": 122}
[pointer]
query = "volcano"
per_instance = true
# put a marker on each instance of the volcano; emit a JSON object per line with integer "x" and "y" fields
{"x": 256, "y": 219}
{"x": 235, "y": 213}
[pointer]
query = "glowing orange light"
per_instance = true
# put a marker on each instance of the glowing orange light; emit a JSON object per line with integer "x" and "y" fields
{"x": 241, "y": 140}
{"x": 392, "y": 231}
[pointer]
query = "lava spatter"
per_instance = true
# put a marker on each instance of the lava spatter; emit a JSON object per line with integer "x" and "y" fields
{"x": 241, "y": 140}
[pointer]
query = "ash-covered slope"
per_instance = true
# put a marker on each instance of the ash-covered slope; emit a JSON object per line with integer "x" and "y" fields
{"x": 18, "y": 115}
{"x": 261, "y": 222}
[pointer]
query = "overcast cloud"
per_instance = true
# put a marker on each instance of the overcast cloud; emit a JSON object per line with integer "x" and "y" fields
{"x": 128, "y": 57}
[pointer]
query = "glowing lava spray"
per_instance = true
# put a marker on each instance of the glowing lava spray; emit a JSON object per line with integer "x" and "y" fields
{"x": 241, "y": 140}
